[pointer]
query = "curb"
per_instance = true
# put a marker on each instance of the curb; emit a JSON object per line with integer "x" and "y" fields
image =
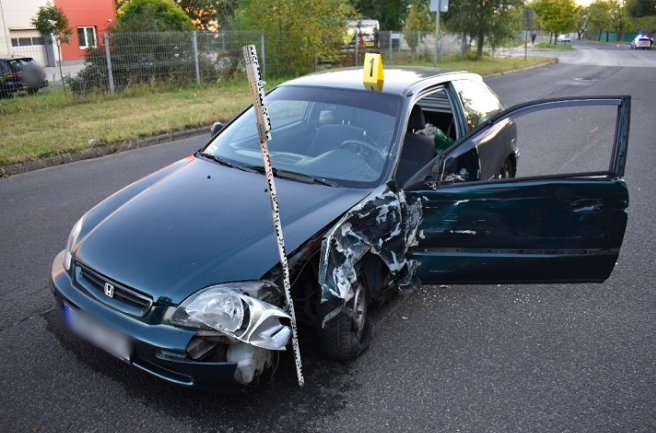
{"x": 98, "y": 150}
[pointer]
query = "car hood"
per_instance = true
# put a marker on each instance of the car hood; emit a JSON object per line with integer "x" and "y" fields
{"x": 200, "y": 224}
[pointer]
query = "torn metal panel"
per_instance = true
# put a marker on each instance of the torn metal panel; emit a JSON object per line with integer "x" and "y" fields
{"x": 385, "y": 224}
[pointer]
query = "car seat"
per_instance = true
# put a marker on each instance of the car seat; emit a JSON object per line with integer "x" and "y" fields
{"x": 418, "y": 150}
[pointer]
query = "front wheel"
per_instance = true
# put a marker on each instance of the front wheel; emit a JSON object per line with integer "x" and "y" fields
{"x": 346, "y": 335}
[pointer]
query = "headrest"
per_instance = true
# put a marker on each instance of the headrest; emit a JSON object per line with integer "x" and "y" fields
{"x": 417, "y": 120}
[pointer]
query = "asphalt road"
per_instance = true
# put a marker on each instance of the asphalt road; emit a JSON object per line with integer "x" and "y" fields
{"x": 578, "y": 358}
{"x": 596, "y": 54}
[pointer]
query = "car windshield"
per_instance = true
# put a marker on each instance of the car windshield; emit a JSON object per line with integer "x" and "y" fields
{"x": 342, "y": 136}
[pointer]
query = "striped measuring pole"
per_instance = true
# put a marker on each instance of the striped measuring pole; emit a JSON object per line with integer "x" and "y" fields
{"x": 264, "y": 132}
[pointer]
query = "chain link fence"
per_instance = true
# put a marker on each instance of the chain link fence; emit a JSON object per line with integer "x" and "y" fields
{"x": 122, "y": 59}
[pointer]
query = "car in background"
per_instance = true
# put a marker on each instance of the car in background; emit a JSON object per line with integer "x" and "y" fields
{"x": 10, "y": 82}
{"x": 641, "y": 41}
{"x": 564, "y": 38}
{"x": 362, "y": 31}
{"x": 178, "y": 274}
{"x": 28, "y": 71}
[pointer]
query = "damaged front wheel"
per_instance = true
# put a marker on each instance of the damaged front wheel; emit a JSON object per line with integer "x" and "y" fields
{"x": 346, "y": 336}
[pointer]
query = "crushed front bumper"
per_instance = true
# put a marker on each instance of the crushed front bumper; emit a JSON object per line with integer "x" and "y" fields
{"x": 155, "y": 348}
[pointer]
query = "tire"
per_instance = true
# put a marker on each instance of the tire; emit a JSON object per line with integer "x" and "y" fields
{"x": 506, "y": 171}
{"x": 344, "y": 338}
{"x": 32, "y": 90}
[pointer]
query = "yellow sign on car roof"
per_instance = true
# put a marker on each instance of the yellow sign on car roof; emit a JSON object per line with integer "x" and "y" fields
{"x": 374, "y": 71}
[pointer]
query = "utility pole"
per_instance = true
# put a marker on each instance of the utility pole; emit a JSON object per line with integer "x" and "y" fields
{"x": 438, "y": 6}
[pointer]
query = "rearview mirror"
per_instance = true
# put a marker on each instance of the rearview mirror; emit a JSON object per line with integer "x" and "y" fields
{"x": 215, "y": 129}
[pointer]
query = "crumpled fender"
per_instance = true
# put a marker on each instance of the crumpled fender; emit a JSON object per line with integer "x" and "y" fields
{"x": 385, "y": 224}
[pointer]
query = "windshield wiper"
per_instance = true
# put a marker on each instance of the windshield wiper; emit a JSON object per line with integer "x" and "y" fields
{"x": 227, "y": 163}
{"x": 301, "y": 177}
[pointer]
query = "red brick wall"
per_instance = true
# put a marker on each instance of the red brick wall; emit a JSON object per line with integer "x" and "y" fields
{"x": 98, "y": 14}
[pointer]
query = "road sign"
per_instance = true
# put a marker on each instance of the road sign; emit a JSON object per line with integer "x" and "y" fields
{"x": 529, "y": 16}
{"x": 444, "y": 5}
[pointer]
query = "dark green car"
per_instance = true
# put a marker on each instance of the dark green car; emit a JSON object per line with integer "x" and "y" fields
{"x": 178, "y": 273}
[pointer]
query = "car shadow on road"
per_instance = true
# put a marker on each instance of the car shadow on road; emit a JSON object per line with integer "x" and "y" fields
{"x": 273, "y": 405}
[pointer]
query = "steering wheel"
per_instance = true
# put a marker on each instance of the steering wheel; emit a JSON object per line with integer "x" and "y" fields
{"x": 369, "y": 151}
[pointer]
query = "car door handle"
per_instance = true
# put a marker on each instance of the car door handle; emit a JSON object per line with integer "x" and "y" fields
{"x": 587, "y": 205}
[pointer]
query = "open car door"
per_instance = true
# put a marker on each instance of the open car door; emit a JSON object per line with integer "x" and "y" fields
{"x": 563, "y": 226}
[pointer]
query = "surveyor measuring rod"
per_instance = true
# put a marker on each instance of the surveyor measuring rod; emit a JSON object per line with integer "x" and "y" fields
{"x": 264, "y": 132}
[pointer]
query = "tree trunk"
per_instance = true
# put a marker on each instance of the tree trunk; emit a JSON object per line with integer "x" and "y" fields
{"x": 607, "y": 35}
{"x": 556, "y": 38}
{"x": 599, "y": 36}
{"x": 550, "y": 37}
{"x": 61, "y": 74}
{"x": 479, "y": 44}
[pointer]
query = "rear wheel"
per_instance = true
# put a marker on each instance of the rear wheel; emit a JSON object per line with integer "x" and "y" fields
{"x": 507, "y": 171}
{"x": 32, "y": 90}
{"x": 346, "y": 335}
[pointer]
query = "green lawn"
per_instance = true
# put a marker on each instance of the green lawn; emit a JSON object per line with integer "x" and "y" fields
{"x": 53, "y": 122}
{"x": 561, "y": 46}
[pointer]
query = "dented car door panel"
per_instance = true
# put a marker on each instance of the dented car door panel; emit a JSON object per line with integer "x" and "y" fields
{"x": 549, "y": 229}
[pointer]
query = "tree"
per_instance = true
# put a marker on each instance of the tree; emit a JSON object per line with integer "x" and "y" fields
{"x": 419, "y": 20}
{"x": 556, "y": 16}
{"x": 641, "y": 8}
{"x": 391, "y": 14}
{"x": 297, "y": 31}
{"x": 152, "y": 16}
{"x": 50, "y": 20}
{"x": 493, "y": 19}
{"x": 599, "y": 16}
{"x": 581, "y": 21}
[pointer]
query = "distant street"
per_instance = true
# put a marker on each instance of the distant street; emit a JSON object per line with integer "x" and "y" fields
{"x": 550, "y": 358}
{"x": 597, "y": 54}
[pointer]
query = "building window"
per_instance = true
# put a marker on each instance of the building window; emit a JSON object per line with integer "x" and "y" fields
{"x": 87, "y": 37}
{"x": 27, "y": 42}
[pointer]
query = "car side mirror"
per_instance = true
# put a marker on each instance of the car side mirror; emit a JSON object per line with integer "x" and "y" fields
{"x": 215, "y": 129}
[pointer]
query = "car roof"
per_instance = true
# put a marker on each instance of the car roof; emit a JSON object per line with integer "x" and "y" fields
{"x": 399, "y": 80}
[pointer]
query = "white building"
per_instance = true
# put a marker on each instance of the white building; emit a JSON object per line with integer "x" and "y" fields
{"x": 19, "y": 37}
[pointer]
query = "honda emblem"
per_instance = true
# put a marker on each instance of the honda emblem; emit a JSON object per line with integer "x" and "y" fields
{"x": 109, "y": 290}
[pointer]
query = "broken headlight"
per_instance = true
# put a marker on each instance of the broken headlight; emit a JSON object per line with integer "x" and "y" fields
{"x": 75, "y": 232}
{"x": 227, "y": 309}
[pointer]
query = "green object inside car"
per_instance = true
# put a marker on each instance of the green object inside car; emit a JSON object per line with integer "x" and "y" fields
{"x": 442, "y": 141}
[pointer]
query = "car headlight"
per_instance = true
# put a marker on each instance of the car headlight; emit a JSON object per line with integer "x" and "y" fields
{"x": 225, "y": 308}
{"x": 75, "y": 232}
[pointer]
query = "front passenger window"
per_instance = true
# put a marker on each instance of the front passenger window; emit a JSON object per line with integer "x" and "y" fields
{"x": 479, "y": 102}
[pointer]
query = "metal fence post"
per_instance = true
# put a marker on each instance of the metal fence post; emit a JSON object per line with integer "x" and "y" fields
{"x": 357, "y": 54}
{"x": 195, "y": 42}
{"x": 263, "y": 57}
{"x": 109, "y": 63}
{"x": 390, "y": 47}
{"x": 418, "y": 44}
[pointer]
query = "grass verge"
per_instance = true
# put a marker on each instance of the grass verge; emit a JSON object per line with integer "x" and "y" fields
{"x": 50, "y": 123}
{"x": 487, "y": 65}
{"x": 561, "y": 46}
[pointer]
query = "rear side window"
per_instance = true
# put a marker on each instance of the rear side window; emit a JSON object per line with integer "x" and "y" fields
{"x": 479, "y": 102}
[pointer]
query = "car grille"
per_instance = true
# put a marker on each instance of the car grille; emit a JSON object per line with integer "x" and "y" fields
{"x": 124, "y": 298}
